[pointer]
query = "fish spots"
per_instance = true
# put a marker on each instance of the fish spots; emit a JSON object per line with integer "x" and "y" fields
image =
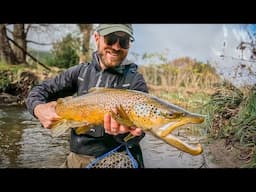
{"x": 142, "y": 110}
{"x": 147, "y": 110}
{"x": 132, "y": 107}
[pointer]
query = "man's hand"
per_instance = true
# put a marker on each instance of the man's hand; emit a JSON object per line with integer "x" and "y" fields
{"x": 114, "y": 128}
{"x": 46, "y": 114}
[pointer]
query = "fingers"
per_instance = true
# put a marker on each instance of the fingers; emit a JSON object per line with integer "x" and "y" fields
{"x": 54, "y": 115}
{"x": 110, "y": 125}
{"x": 113, "y": 127}
{"x": 51, "y": 116}
{"x": 136, "y": 131}
{"x": 123, "y": 129}
{"x": 107, "y": 120}
{"x": 46, "y": 113}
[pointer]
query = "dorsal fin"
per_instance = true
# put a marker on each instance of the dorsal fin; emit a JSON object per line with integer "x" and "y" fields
{"x": 99, "y": 89}
{"x": 61, "y": 100}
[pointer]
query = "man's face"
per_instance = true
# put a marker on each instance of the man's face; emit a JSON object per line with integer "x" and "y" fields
{"x": 112, "y": 48}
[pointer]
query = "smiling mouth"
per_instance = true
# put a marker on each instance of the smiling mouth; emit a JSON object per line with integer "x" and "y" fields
{"x": 113, "y": 54}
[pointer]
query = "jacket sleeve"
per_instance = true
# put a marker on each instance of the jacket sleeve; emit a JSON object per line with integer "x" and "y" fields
{"x": 139, "y": 83}
{"x": 62, "y": 85}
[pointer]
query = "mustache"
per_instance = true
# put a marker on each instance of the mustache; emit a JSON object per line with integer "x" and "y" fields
{"x": 114, "y": 51}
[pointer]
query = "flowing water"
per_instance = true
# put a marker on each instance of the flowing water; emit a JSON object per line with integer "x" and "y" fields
{"x": 25, "y": 144}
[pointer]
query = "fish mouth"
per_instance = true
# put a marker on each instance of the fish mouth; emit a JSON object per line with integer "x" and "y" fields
{"x": 170, "y": 127}
{"x": 165, "y": 131}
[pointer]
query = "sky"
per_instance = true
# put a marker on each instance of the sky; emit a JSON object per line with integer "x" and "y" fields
{"x": 203, "y": 42}
{"x": 193, "y": 40}
{"x": 199, "y": 41}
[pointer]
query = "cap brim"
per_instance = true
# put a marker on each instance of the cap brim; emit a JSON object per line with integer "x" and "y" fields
{"x": 114, "y": 29}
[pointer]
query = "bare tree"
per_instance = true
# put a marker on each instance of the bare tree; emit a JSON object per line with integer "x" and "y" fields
{"x": 6, "y": 52}
{"x": 20, "y": 36}
{"x": 14, "y": 40}
{"x": 85, "y": 51}
{"x": 13, "y": 43}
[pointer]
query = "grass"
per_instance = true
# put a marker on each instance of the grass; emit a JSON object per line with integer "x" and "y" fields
{"x": 191, "y": 100}
{"x": 14, "y": 68}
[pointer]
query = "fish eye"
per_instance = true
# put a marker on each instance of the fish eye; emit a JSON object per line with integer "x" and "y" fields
{"x": 171, "y": 114}
{"x": 168, "y": 114}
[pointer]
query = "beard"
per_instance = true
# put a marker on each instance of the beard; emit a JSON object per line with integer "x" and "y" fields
{"x": 111, "y": 58}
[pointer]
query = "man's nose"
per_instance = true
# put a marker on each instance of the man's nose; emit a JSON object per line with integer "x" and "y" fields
{"x": 116, "y": 45}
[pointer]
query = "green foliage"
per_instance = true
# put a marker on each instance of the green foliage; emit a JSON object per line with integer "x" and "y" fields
{"x": 4, "y": 80}
{"x": 13, "y": 68}
{"x": 42, "y": 56}
{"x": 221, "y": 107}
{"x": 64, "y": 53}
{"x": 242, "y": 127}
{"x": 8, "y": 73}
{"x": 244, "y": 124}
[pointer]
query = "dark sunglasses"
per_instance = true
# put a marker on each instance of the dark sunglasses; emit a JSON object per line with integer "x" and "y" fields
{"x": 112, "y": 38}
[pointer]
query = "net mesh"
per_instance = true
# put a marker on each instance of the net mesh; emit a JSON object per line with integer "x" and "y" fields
{"x": 114, "y": 160}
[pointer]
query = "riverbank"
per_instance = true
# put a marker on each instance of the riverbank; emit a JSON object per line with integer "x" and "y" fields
{"x": 17, "y": 81}
{"x": 227, "y": 155}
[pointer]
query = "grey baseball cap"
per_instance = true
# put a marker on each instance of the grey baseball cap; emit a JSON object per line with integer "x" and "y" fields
{"x": 105, "y": 29}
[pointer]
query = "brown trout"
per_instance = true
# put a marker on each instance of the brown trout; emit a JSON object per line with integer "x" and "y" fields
{"x": 132, "y": 108}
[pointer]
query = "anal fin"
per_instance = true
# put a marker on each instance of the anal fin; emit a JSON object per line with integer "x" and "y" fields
{"x": 82, "y": 130}
{"x": 61, "y": 126}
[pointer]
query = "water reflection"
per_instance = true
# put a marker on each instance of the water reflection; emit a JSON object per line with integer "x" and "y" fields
{"x": 25, "y": 144}
{"x": 10, "y": 135}
{"x": 158, "y": 154}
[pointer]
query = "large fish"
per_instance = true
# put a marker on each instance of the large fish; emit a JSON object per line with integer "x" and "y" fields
{"x": 127, "y": 107}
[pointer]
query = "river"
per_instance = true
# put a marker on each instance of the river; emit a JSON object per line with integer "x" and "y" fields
{"x": 25, "y": 144}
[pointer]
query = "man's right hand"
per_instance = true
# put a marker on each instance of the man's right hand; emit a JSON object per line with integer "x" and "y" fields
{"x": 46, "y": 113}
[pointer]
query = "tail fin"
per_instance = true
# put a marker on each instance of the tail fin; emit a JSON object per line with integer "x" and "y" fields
{"x": 59, "y": 128}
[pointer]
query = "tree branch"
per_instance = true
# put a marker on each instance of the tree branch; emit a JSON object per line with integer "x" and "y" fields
{"x": 31, "y": 56}
{"x": 34, "y": 42}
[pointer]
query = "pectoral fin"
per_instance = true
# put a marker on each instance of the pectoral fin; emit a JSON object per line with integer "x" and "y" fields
{"x": 121, "y": 117}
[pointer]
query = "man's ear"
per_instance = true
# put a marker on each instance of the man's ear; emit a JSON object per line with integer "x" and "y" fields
{"x": 96, "y": 36}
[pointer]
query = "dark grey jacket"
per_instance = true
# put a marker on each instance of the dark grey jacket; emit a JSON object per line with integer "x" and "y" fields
{"x": 78, "y": 80}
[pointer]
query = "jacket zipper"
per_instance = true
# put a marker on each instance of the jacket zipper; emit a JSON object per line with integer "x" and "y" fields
{"x": 99, "y": 79}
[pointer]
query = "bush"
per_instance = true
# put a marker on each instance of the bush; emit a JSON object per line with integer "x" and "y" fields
{"x": 64, "y": 53}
